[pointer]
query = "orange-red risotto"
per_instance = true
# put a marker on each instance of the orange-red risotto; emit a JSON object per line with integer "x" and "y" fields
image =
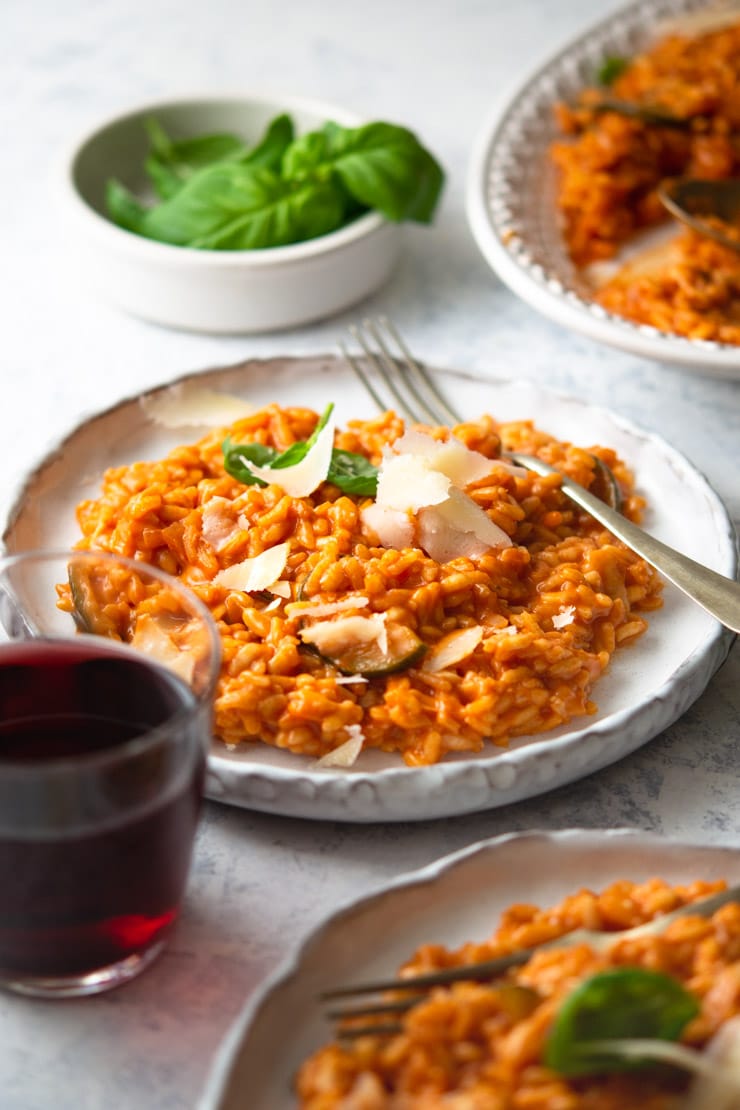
{"x": 610, "y": 166}
{"x": 341, "y": 631}
{"x": 482, "y": 1046}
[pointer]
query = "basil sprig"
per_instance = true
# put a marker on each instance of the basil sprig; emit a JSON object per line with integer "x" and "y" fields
{"x": 216, "y": 193}
{"x": 350, "y": 472}
{"x": 612, "y": 67}
{"x": 623, "y": 1004}
{"x": 171, "y": 163}
{"x": 353, "y": 473}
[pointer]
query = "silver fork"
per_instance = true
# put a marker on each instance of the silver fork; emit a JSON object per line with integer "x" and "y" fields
{"x": 420, "y": 400}
{"x": 489, "y": 970}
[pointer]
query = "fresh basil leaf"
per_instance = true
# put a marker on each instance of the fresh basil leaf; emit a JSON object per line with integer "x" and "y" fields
{"x": 159, "y": 141}
{"x": 269, "y": 151}
{"x": 123, "y": 207}
{"x": 229, "y": 206}
{"x": 386, "y": 168}
{"x": 300, "y": 449}
{"x": 611, "y": 68}
{"x": 381, "y": 165}
{"x": 237, "y": 454}
{"x": 171, "y": 163}
{"x": 612, "y": 1005}
{"x": 310, "y": 156}
{"x": 218, "y": 194}
{"x": 353, "y": 473}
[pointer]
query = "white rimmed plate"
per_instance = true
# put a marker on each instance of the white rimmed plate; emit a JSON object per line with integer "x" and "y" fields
{"x": 646, "y": 688}
{"x": 458, "y": 898}
{"x": 511, "y": 195}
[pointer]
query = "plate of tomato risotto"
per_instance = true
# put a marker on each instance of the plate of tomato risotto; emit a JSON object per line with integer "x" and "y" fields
{"x": 563, "y": 193}
{"x": 411, "y": 626}
{"x": 507, "y": 1043}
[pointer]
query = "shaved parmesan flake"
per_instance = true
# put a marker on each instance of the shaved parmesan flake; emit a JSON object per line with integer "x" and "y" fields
{"x": 346, "y": 754}
{"x": 183, "y": 406}
{"x": 280, "y": 588}
{"x": 325, "y": 608}
{"x": 258, "y": 573}
{"x": 444, "y": 544}
{"x": 452, "y": 648}
{"x": 334, "y": 636}
{"x": 458, "y": 528}
{"x": 408, "y": 482}
{"x": 450, "y": 457}
{"x": 150, "y": 637}
{"x": 422, "y": 477}
{"x": 305, "y": 476}
{"x": 219, "y": 525}
{"x": 345, "y": 679}
{"x": 274, "y": 604}
{"x": 717, "y": 1085}
{"x": 393, "y": 527}
{"x": 564, "y": 617}
{"x": 460, "y": 512}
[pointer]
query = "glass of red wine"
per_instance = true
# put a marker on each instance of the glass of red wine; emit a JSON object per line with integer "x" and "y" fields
{"x": 107, "y": 678}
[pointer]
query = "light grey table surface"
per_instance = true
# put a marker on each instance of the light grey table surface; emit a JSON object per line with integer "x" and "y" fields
{"x": 260, "y": 882}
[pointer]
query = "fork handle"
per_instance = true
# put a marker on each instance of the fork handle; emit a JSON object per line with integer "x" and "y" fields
{"x": 717, "y": 594}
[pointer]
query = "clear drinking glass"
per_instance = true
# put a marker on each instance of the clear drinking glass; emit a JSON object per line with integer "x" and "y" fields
{"x": 107, "y": 677}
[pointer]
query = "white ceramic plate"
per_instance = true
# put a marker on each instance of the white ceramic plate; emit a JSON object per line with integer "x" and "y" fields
{"x": 458, "y": 898}
{"x": 511, "y": 198}
{"x": 647, "y": 687}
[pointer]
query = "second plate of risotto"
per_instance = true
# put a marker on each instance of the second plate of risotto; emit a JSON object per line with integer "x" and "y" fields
{"x": 411, "y": 626}
{"x": 563, "y": 191}
{"x": 525, "y": 1038}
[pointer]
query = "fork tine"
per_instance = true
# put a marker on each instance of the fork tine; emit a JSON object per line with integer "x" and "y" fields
{"x": 407, "y": 380}
{"x": 382, "y": 368}
{"x": 357, "y": 368}
{"x": 422, "y": 373}
{"x": 398, "y": 1007}
{"x": 395, "y": 366}
{"x": 388, "y": 1029}
{"x": 486, "y": 969}
{"x": 491, "y": 969}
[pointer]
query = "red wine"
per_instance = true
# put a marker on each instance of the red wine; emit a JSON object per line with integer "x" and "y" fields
{"x": 96, "y": 826}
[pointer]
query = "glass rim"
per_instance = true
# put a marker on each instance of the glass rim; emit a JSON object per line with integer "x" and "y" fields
{"x": 150, "y": 737}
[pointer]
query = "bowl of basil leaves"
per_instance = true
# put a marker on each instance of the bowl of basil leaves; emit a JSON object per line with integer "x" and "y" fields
{"x": 243, "y": 214}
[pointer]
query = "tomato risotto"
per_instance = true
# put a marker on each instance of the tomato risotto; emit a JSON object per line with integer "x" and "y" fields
{"x": 514, "y": 1043}
{"x": 610, "y": 166}
{"x": 419, "y": 594}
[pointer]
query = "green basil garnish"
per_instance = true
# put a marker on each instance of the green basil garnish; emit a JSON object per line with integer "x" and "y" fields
{"x": 351, "y": 473}
{"x": 170, "y": 164}
{"x": 611, "y": 68}
{"x": 381, "y": 165}
{"x": 236, "y": 455}
{"x": 625, "y": 1003}
{"x": 299, "y": 450}
{"x": 215, "y": 193}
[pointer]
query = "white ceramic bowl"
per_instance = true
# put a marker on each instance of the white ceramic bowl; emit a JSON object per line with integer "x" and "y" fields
{"x": 206, "y": 290}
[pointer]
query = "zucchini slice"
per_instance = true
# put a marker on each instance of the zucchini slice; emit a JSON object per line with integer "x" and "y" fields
{"x": 371, "y": 659}
{"x": 88, "y": 613}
